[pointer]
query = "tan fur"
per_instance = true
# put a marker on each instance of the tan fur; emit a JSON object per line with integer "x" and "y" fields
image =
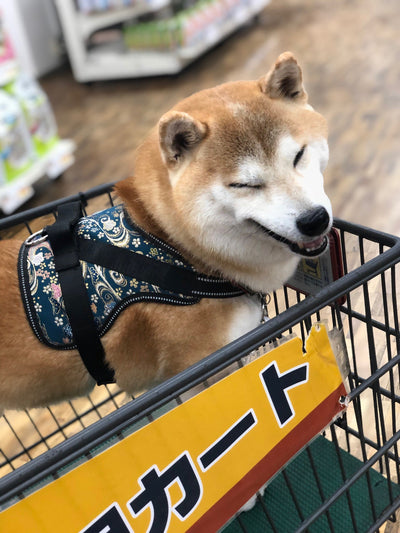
{"x": 201, "y": 140}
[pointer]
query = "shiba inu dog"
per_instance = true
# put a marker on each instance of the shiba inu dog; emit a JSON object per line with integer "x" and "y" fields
{"x": 231, "y": 179}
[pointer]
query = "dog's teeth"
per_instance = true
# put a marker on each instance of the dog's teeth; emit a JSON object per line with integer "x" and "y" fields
{"x": 313, "y": 245}
{"x": 310, "y": 246}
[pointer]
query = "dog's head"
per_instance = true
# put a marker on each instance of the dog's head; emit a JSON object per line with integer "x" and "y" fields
{"x": 244, "y": 165}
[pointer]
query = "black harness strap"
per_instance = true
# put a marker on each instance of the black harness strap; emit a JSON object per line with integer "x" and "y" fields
{"x": 164, "y": 275}
{"x": 77, "y": 305}
{"x": 69, "y": 249}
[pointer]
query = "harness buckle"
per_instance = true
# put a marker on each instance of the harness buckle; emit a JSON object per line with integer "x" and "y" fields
{"x": 36, "y": 238}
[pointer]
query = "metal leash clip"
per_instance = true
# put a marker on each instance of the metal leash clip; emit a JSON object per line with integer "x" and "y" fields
{"x": 264, "y": 301}
{"x": 36, "y": 238}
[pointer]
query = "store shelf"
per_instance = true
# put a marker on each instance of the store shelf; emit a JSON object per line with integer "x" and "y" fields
{"x": 15, "y": 193}
{"x": 113, "y": 61}
{"x": 89, "y": 23}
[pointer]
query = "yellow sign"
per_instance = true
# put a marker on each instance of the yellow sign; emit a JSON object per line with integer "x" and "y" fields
{"x": 194, "y": 467}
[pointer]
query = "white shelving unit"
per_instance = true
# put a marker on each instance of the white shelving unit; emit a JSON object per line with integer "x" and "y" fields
{"x": 16, "y": 192}
{"x": 34, "y": 33}
{"x": 114, "y": 61}
{"x": 88, "y": 24}
{"x": 29, "y": 36}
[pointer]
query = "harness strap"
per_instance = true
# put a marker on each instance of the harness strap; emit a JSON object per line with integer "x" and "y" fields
{"x": 77, "y": 305}
{"x": 164, "y": 275}
{"x": 68, "y": 250}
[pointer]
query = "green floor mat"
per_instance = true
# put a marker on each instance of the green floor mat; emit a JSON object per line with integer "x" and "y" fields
{"x": 295, "y": 494}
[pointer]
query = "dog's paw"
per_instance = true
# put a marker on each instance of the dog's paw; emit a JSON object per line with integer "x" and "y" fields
{"x": 253, "y": 500}
{"x": 249, "y": 505}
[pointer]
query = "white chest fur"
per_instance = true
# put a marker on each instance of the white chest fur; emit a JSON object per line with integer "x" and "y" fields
{"x": 247, "y": 316}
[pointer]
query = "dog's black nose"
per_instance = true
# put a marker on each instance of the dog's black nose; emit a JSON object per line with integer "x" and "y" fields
{"x": 313, "y": 222}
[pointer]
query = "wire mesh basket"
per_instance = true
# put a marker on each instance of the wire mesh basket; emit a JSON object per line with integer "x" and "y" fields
{"x": 345, "y": 480}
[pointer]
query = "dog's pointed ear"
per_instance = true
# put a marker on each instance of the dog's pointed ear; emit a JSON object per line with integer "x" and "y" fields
{"x": 179, "y": 134}
{"x": 285, "y": 80}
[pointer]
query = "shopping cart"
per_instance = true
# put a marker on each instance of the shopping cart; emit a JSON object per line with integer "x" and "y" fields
{"x": 346, "y": 480}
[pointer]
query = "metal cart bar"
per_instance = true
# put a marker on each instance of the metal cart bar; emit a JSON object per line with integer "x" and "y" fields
{"x": 35, "y": 212}
{"x": 115, "y": 423}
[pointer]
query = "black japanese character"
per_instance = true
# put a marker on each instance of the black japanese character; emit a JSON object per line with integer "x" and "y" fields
{"x": 111, "y": 521}
{"x": 228, "y": 439}
{"x": 276, "y": 386}
{"x": 155, "y": 492}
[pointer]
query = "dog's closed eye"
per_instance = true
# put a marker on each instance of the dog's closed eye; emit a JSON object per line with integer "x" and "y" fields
{"x": 239, "y": 185}
{"x": 299, "y": 155}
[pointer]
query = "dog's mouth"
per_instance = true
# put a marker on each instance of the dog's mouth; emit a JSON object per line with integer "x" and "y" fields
{"x": 305, "y": 249}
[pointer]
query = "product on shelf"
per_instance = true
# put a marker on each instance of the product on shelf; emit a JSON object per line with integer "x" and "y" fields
{"x": 16, "y": 146}
{"x": 6, "y": 51}
{"x": 37, "y": 111}
{"x": 90, "y": 6}
{"x": 189, "y": 27}
{"x": 8, "y": 65}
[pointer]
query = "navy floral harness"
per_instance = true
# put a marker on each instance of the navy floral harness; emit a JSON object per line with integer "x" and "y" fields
{"x": 105, "y": 248}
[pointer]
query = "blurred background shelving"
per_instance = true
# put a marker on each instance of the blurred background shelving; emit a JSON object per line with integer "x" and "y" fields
{"x": 349, "y": 54}
{"x": 117, "y": 43}
{"x": 30, "y": 147}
